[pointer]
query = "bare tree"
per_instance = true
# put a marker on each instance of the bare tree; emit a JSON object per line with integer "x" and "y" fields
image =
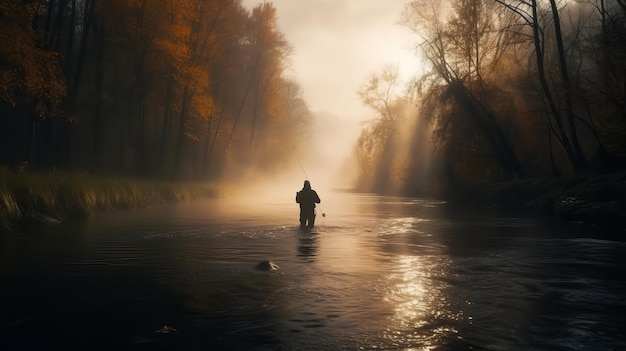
{"x": 463, "y": 47}
{"x": 379, "y": 149}
{"x": 560, "y": 115}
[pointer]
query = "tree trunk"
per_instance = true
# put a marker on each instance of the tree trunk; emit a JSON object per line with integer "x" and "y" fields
{"x": 209, "y": 157}
{"x": 579, "y": 161}
{"x": 553, "y": 109}
{"x": 164, "y": 157}
{"x": 187, "y": 95}
{"x": 82, "y": 49}
{"x": 97, "y": 159}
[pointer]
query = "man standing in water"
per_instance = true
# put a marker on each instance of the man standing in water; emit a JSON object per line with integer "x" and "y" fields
{"x": 307, "y": 198}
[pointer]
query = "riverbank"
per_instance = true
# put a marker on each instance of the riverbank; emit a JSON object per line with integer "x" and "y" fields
{"x": 591, "y": 198}
{"x": 56, "y": 196}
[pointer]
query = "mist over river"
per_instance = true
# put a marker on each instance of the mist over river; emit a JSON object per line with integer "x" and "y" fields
{"x": 377, "y": 272}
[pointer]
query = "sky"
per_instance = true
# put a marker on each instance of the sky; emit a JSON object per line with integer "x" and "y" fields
{"x": 338, "y": 44}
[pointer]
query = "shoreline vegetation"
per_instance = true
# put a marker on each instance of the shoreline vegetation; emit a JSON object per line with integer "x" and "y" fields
{"x": 592, "y": 198}
{"x": 51, "y": 197}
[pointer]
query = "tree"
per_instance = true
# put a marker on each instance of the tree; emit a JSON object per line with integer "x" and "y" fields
{"x": 601, "y": 74}
{"x": 463, "y": 48}
{"x": 266, "y": 51}
{"x": 29, "y": 74}
{"x": 559, "y": 113}
{"x": 380, "y": 147}
{"x": 31, "y": 81}
{"x": 154, "y": 86}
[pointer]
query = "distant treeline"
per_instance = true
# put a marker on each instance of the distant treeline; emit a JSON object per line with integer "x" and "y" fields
{"x": 177, "y": 89}
{"x": 510, "y": 89}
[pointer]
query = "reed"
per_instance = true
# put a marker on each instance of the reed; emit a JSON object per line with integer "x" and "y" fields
{"x": 76, "y": 195}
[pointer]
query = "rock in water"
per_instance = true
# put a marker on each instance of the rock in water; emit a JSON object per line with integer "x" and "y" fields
{"x": 267, "y": 266}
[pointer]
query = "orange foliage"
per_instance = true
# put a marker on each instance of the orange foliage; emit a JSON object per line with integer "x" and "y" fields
{"x": 28, "y": 74}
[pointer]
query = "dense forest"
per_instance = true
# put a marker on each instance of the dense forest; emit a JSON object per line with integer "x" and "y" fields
{"x": 511, "y": 89}
{"x": 169, "y": 89}
{"x": 189, "y": 89}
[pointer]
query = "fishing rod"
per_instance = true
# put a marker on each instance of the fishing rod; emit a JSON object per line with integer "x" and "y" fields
{"x": 293, "y": 152}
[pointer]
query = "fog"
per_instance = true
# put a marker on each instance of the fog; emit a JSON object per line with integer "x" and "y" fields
{"x": 281, "y": 100}
{"x": 332, "y": 57}
{"x": 337, "y": 44}
{"x": 324, "y": 157}
{"x": 331, "y": 151}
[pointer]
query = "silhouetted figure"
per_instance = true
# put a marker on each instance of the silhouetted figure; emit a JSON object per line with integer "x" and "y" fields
{"x": 307, "y": 198}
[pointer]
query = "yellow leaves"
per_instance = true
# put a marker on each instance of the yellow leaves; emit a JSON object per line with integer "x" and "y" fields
{"x": 198, "y": 76}
{"x": 204, "y": 105}
{"x": 179, "y": 32}
{"x": 27, "y": 73}
{"x": 175, "y": 51}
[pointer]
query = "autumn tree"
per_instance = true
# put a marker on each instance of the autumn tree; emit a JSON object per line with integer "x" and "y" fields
{"x": 29, "y": 74}
{"x": 168, "y": 88}
{"x": 297, "y": 119}
{"x": 264, "y": 58}
{"x": 381, "y": 146}
{"x": 30, "y": 77}
{"x": 463, "y": 47}
{"x": 226, "y": 58}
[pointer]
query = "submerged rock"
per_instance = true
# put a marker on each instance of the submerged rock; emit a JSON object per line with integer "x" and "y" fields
{"x": 267, "y": 266}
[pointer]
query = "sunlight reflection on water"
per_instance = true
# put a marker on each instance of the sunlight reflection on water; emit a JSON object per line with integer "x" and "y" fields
{"x": 420, "y": 305}
{"x": 376, "y": 273}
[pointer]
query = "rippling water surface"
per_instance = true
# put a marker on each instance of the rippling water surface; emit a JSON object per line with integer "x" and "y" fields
{"x": 376, "y": 273}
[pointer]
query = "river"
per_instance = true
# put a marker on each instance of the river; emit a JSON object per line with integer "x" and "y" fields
{"x": 377, "y": 273}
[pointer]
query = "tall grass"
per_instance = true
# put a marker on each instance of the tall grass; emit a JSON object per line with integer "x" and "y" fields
{"x": 74, "y": 195}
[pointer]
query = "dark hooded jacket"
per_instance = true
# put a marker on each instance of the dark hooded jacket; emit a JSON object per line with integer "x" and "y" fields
{"x": 307, "y": 197}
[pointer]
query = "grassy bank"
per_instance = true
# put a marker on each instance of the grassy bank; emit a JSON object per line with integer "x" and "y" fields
{"x": 59, "y": 195}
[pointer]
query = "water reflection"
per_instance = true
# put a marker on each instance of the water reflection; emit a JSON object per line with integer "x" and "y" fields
{"x": 388, "y": 274}
{"x": 308, "y": 245}
{"x": 417, "y": 287}
{"x": 423, "y": 314}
